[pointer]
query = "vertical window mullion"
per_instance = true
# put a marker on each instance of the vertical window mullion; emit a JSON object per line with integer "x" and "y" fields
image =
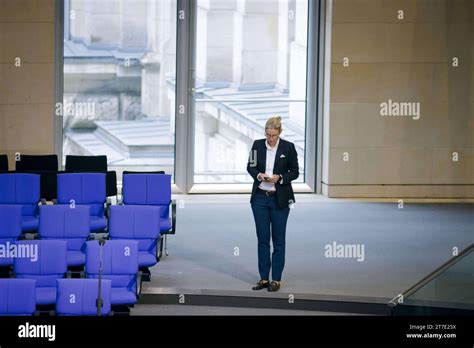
{"x": 183, "y": 107}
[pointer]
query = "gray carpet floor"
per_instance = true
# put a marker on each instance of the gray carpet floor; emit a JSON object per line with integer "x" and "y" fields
{"x": 401, "y": 246}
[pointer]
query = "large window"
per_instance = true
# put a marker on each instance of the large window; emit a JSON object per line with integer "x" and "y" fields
{"x": 250, "y": 65}
{"x": 186, "y": 86}
{"x": 119, "y": 81}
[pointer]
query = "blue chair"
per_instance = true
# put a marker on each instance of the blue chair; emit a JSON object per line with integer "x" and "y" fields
{"x": 49, "y": 265}
{"x": 155, "y": 190}
{"x": 62, "y": 222}
{"x": 86, "y": 164}
{"x": 120, "y": 265}
{"x": 10, "y": 230}
{"x": 140, "y": 223}
{"x": 79, "y": 296}
{"x": 17, "y": 296}
{"x": 93, "y": 164}
{"x": 46, "y": 166}
{"x": 24, "y": 190}
{"x": 85, "y": 189}
{"x": 31, "y": 163}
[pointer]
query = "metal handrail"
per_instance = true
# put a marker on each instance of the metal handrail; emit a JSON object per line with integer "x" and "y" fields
{"x": 429, "y": 277}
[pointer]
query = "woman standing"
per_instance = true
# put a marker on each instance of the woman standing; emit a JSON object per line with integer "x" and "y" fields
{"x": 273, "y": 164}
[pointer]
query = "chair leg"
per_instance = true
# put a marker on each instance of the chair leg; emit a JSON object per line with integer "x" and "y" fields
{"x": 166, "y": 245}
{"x": 160, "y": 249}
{"x": 146, "y": 274}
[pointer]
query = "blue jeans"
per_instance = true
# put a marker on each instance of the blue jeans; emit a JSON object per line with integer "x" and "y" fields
{"x": 270, "y": 221}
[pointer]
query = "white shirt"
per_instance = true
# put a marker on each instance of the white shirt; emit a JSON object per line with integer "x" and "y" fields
{"x": 271, "y": 153}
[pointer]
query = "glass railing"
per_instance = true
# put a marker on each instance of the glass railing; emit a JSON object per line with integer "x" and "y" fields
{"x": 447, "y": 290}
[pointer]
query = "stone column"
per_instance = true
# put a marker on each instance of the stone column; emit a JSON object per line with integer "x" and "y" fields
{"x": 214, "y": 40}
{"x": 133, "y": 23}
{"x": 100, "y": 21}
{"x": 286, "y": 35}
{"x": 255, "y": 42}
{"x": 159, "y": 64}
{"x": 298, "y": 58}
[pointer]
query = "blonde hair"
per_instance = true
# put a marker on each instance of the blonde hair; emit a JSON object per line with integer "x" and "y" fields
{"x": 274, "y": 123}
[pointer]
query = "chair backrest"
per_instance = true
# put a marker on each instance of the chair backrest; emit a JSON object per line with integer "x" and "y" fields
{"x": 65, "y": 222}
{"x": 141, "y": 223}
{"x": 17, "y": 296}
{"x": 48, "y": 182}
{"x": 147, "y": 189}
{"x": 43, "y": 260}
{"x": 23, "y": 189}
{"x": 3, "y": 163}
{"x": 37, "y": 162}
{"x": 79, "y": 296}
{"x": 10, "y": 230}
{"x": 119, "y": 262}
{"x": 127, "y": 172}
{"x": 93, "y": 164}
{"x": 10, "y": 221}
{"x": 83, "y": 188}
{"x": 86, "y": 163}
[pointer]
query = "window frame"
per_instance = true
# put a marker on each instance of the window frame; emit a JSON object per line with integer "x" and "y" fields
{"x": 185, "y": 82}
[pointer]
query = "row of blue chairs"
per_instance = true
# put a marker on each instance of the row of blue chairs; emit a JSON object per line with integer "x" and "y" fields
{"x": 140, "y": 219}
{"x": 74, "y": 297}
{"x": 88, "y": 189}
{"x": 47, "y": 167}
{"x": 86, "y": 193}
{"x": 42, "y": 280}
{"x": 26, "y": 163}
{"x": 72, "y": 224}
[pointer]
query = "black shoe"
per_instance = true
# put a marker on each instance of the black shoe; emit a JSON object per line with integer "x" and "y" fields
{"x": 261, "y": 285}
{"x": 274, "y": 286}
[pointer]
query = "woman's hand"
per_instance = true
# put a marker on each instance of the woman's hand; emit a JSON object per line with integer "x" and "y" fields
{"x": 274, "y": 179}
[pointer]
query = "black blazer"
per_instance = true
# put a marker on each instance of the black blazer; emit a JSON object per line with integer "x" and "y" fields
{"x": 287, "y": 166}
